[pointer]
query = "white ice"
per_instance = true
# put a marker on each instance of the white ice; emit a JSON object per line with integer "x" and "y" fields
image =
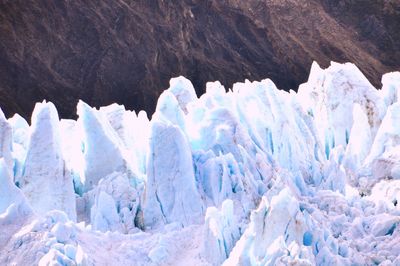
{"x": 46, "y": 182}
{"x": 251, "y": 175}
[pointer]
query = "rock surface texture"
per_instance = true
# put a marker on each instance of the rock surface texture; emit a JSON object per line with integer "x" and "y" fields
{"x": 126, "y": 51}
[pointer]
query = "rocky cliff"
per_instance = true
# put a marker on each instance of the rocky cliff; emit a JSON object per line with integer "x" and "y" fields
{"x": 126, "y": 51}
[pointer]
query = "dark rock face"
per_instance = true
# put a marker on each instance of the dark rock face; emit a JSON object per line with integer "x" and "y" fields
{"x": 126, "y": 51}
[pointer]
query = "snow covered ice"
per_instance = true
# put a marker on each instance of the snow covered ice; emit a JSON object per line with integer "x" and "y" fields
{"x": 247, "y": 176}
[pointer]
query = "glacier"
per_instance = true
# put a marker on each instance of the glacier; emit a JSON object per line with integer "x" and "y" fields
{"x": 251, "y": 175}
{"x": 44, "y": 171}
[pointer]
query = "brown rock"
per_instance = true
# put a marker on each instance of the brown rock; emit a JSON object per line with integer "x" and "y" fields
{"x": 126, "y": 51}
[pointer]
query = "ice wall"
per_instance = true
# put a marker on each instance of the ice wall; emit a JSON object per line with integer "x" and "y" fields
{"x": 46, "y": 182}
{"x": 246, "y": 176}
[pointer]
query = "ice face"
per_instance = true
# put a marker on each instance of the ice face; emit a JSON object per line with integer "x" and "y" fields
{"x": 384, "y": 157}
{"x": 248, "y": 176}
{"x": 220, "y": 234}
{"x": 274, "y": 227}
{"x": 171, "y": 193}
{"x": 6, "y": 141}
{"x": 388, "y": 134}
{"x": 360, "y": 140}
{"x": 71, "y": 145}
{"x": 219, "y": 177}
{"x": 9, "y": 193}
{"x": 46, "y": 182}
{"x": 183, "y": 91}
{"x": 133, "y": 131}
{"x": 20, "y": 142}
{"x": 168, "y": 109}
{"x": 330, "y": 95}
{"x": 104, "y": 216}
{"x": 20, "y": 130}
{"x": 390, "y": 88}
{"x": 102, "y": 148}
{"x": 114, "y": 192}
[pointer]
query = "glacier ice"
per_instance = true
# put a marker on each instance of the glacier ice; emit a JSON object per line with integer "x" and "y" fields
{"x": 171, "y": 194}
{"x": 251, "y": 175}
{"x": 168, "y": 109}
{"x": 9, "y": 193}
{"x": 133, "y": 130}
{"x": 390, "y": 92}
{"x": 115, "y": 204}
{"x": 71, "y": 145}
{"x": 273, "y": 228}
{"x": 104, "y": 216}
{"x": 20, "y": 130}
{"x": 360, "y": 140}
{"x": 384, "y": 157}
{"x": 20, "y": 142}
{"x": 330, "y": 95}
{"x": 103, "y": 150}
{"x": 46, "y": 182}
{"x": 221, "y": 233}
{"x": 6, "y": 141}
{"x": 183, "y": 91}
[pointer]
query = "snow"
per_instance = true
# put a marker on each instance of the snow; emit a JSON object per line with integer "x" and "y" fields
{"x": 246, "y": 176}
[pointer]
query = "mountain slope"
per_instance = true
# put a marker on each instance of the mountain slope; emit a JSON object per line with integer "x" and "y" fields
{"x": 126, "y": 51}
